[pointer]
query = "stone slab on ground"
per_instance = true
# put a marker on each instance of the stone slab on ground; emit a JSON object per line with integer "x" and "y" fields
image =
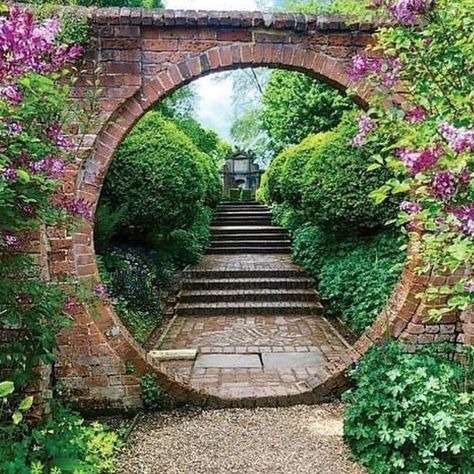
{"x": 293, "y": 360}
{"x": 175, "y": 354}
{"x": 230, "y": 361}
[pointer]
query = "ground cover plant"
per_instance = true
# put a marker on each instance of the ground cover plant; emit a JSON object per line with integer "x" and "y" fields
{"x": 412, "y": 413}
{"x": 34, "y": 154}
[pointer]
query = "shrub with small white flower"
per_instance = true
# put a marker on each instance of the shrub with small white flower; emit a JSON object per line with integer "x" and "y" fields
{"x": 426, "y": 57}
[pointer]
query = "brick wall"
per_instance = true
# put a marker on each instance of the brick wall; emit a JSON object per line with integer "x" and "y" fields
{"x": 142, "y": 57}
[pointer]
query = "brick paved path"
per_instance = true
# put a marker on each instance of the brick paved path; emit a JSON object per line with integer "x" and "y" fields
{"x": 253, "y": 316}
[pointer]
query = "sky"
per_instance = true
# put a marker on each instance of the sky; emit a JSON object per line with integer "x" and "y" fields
{"x": 214, "y": 107}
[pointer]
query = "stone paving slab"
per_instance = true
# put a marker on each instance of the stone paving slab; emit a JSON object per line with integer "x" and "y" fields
{"x": 225, "y": 361}
{"x": 293, "y": 360}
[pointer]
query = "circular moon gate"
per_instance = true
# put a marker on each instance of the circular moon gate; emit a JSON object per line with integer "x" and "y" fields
{"x": 143, "y": 56}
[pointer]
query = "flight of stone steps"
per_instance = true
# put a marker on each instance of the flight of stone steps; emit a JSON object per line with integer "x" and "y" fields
{"x": 247, "y": 270}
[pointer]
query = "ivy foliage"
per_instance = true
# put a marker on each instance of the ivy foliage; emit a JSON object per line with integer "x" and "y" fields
{"x": 411, "y": 413}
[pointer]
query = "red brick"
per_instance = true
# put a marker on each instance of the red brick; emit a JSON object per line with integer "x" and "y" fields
{"x": 234, "y": 35}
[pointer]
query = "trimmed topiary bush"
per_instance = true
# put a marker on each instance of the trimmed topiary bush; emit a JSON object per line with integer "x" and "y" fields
{"x": 270, "y": 186}
{"x": 411, "y": 413}
{"x": 161, "y": 177}
{"x": 337, "y": 184}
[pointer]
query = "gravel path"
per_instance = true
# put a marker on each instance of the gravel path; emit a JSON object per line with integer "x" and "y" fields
{"x": 296, "y": 440}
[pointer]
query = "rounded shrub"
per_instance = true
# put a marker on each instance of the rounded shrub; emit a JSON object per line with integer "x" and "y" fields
{"x": 294, "y": 161}
{"x": 337, "y": 184}
{"x": 271, "y": 181}
{"x": 161, "y": 178}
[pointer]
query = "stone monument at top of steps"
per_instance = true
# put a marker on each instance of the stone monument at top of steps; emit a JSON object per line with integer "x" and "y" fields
{"x": 240, "y": 171}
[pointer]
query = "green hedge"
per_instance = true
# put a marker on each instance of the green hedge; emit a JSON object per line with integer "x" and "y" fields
{"x": 161, "y": 178}
{"x": 327, "y": 178}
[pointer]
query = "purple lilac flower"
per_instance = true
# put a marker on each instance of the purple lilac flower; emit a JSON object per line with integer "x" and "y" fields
{"x": 418, "y": 161}
{"x": 416, "y": 115}
{"x": 29, "y": 46}
{"x": 28, "y": 210}
{"x": 11, "y": 93}
{"x": 465, "y": 216}
{"x": 12, "y": 241}
{"x": 52, "y": 166}
{"x": 459, "y": 139}
{"x": 443, "y": 185}
{"x": 407, "y": 12}
{"x": 80, "y": 208}
{"x": 362, "y": 66}
{"x": 99, "y": 289}
{"x": 9, "y": 174}
{"x": 411, "y": 207}
{"x": 366, "y": 125}
{"x": 56, "y": 134}
{"x": 469, "y": 286}
{"x": 15, "y": 128}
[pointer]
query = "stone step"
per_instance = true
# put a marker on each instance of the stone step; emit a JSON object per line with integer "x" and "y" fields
{"x": 244, "y": 250}
{"x": 174, "y": 354}
{"x": 248, "y": 283}
{"x": 249, "y": 243}
{"x": 250, "y": 308}
{"x": 239, "y": 203}
{"x": 241, "y": 208}
{"x": 240, "y": 229}
{"x": 264, "y": 294}
{"x": 231, "y": 274}
{"x": 243, "y": 213}
{"x": 248, "y": 221}
{"x": 250, "y": 237}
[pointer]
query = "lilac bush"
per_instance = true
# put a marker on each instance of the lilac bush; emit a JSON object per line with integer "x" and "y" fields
{"x": 425, "y": 57}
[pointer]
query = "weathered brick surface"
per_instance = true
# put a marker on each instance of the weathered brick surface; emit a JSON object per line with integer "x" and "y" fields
{"x": 142, "y": 56}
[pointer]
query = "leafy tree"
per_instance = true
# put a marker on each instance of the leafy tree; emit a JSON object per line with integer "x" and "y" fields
{"x": 294, "y": 106}
{"x": 351, "y": 7}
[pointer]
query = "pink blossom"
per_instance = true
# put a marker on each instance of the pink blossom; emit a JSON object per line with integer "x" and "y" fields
{"x": 459, "y": 139}
{"x": 416, "y": 115}
{"x": 366, "y": 125}
{"x": 418, "y": 161}
{"x": 362, "y": 66}
{"x": 407, "y": 12}
{"x": 28, "y": 210}
{"x": 443, "y": 185}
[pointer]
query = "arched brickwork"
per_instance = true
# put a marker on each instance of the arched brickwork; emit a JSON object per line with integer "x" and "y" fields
{"x": 144, "y": 56}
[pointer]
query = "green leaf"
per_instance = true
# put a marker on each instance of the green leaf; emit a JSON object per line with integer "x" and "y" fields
{"x": 17, "y": 417}
{"x": 26, "y": 404}
{"x": 6, "y": 388}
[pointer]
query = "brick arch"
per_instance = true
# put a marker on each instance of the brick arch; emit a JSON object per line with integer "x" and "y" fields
{"x": 95, "y": 353}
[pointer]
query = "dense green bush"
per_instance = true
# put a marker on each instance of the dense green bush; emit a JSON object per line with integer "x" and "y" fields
{"x": 160, "y": 176}
{"x": 411, "y": 413}
{"x": 327, "y": 178}
{"x": 337, "y": 184}
{"x": 356, "y": 274}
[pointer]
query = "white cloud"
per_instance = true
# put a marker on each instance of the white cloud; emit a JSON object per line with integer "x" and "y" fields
{"x": 212, "y": 4}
